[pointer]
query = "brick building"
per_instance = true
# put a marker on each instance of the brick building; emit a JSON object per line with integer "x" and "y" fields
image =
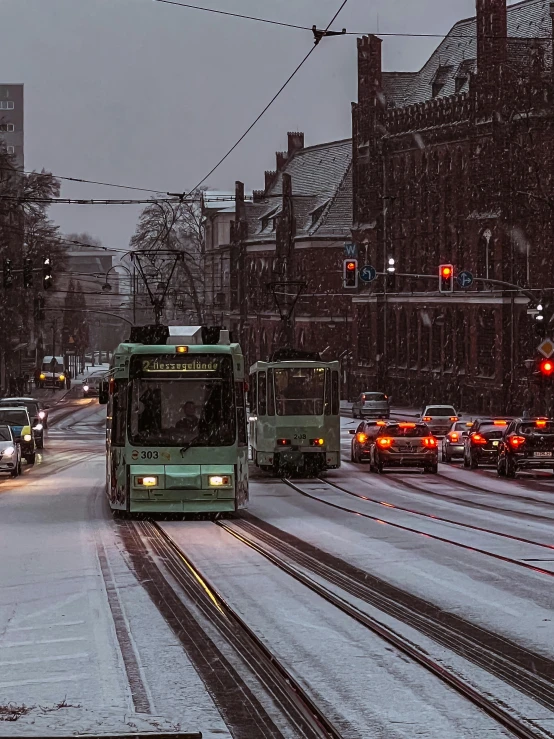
{"x": 292, "y": 230}
{"x": 453, "y": 164}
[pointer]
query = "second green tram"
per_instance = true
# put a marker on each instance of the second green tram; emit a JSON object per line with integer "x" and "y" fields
{"x": 294, "y": 418}
{"x": 176, "y": 423}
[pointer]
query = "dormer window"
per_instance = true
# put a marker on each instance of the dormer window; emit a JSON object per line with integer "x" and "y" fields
{"x": 317, "y": 213}
{"x": 440, "y": 79}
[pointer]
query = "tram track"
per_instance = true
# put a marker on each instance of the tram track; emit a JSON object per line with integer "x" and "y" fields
{"x": 412, "y": 530}
{"x": 526, "y": 672}
{"x": 152, "y": 551}
{"x": 403, "y": 509}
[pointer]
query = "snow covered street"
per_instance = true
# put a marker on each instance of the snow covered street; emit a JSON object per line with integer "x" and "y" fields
{"x": 338, "y": 577}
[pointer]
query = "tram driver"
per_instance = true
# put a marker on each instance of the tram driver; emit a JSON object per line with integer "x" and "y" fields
{"x": 189, "y": 421}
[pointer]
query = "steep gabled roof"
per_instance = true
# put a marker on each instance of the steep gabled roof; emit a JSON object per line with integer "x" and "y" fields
{"x": 529, "y": 19}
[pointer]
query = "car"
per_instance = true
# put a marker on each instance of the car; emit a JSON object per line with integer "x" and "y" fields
{"x": 37, "y": 414}
{"x": 482, "y": 442}
{"x": 17, "y": 417}
{"x": 439, "y": 418}
{"x": 372, "y": 404}
{"x": 364, "y": 437}
{"x": 405, "y": 444}
{"x": 453, "y": 442}
{"x": 91, "y": 385}
{"x": 10, "y": 452}
{"x": 527, "y": 443}
{"x": 52, "y": 373}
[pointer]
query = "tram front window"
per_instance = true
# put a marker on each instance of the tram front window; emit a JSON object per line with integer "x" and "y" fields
{"x": 299, "y": 391}
{"x": 182, "y": 412}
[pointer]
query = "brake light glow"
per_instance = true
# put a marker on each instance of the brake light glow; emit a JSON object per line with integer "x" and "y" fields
{"x": 454, "y": 436}
{"x": 406, "y": 425}
{"x": 361, "y": 438}
{"x": 453, "y": 418}
{"x": 427, "y": 418}
{"x": 500, "y": 423}
{"x": 317, "y": 442}
{"x": 477, "y": 439}
{"x": 430, "y": 442}
{"x": 540, "y": 423}
{"x": 381, "y": 423}
{"x": 516, "y": 441}
{"x": 385, "y": 442}
{"x": 283, "y": 442}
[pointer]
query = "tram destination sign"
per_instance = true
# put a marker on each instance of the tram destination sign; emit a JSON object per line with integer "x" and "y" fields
{"x": 169, "y": 364}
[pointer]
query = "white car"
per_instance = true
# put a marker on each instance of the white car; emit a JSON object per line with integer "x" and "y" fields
{"x": 371, "y": 404}
{"x": 10, "y": 452}
{"x": 439, "y": 418}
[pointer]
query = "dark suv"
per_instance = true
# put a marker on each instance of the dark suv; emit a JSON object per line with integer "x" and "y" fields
{"x": 527, "y": 444}
{"x": 482, "y": 442}
{"x": 364, "y": 437}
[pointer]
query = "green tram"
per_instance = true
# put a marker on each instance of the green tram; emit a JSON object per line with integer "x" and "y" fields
{"x": 294, "y": 420}
{"x": 176, "y": 422}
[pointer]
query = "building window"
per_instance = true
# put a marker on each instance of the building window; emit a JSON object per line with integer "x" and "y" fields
{"x": 7, "y": 128}
{"x": 6, "y": 105}
{"x": 10, "y": 149}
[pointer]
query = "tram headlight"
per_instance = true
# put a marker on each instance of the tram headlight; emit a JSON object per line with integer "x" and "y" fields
{"x": 27, "y": 437}
{"x": 218, "y": 481}
{"x": 148, "y": 482}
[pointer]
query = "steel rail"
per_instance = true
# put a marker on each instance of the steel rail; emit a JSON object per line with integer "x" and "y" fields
{"x": 393, "y": 506}
{"x": 412, "y": 530}
{"x": 314, "y": 719}
{"x": 494, "y": 710}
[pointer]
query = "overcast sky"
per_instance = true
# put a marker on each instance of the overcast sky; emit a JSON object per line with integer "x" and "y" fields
{"x": 152, "y": 95}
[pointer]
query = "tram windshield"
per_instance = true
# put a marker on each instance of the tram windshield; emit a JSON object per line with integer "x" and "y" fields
{"x": 183, "y": 409}
{"x": 299, "y": 391}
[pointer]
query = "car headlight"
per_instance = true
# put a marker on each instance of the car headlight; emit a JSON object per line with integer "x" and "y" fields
{"x": 9, "y": 451}
{"x": 27, "y": 437}
{"x": 38, "y": 427}
{"x": 62, "y": 378}
{"x": 85, "y": 388}
{"x": 42, "y": 376}
{"x": 41, "y": 414}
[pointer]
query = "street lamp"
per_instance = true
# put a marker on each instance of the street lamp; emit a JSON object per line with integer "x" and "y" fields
{"x": 106, "y": 287}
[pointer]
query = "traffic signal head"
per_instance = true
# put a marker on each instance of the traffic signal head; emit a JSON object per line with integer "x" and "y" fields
{"x": 7, "y": 277}
{"x": 350, "y": 273}
{"x": 546, "y": 367}
{"x": 27, "y": 273}
{"x": 47, "y": 278}
{"x": 446, "y": 278}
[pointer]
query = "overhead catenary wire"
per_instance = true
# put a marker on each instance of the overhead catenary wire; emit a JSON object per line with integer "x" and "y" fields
{"x": 347, "y": 33}
{"x": 267, "y": 107}
{"x": 80, "y": 179}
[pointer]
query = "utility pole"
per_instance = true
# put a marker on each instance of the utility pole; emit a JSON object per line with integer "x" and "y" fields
{"x": 239, "y": 234}
{"x": 284, "y": 251}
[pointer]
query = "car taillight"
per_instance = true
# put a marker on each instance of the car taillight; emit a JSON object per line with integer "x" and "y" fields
{"x": 540, "y": 423}
{"x": 454, "y": 436}
{"x": 385, "y": 442}
{"x": 430, "y": 442}
{"x": 406, "y": 425}
{"x": 453, "y": 418}
{"x": 478, "y": 439}
{"x": 427, "y": 418}
{"x": 516, "y": 441}
{"x": 500, "y": 423}
{"x": 361, "y": 438}
{"x": 283, "y": 442}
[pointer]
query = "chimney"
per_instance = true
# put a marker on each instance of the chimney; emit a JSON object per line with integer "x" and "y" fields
{"x": 239, "y": 201}
{"x": 281, "y": 158}
{"x": 269, "y": 177}
{"x": 492, "y": 32}
{"x": 295, "y": 142}
{"x": 370, "y": 74}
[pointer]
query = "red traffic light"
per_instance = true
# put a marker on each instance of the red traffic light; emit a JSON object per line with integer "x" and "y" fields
{"x": 546, "y": 367}
{"x": 446, "y": 271}
{"x": 350, "y": 266}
